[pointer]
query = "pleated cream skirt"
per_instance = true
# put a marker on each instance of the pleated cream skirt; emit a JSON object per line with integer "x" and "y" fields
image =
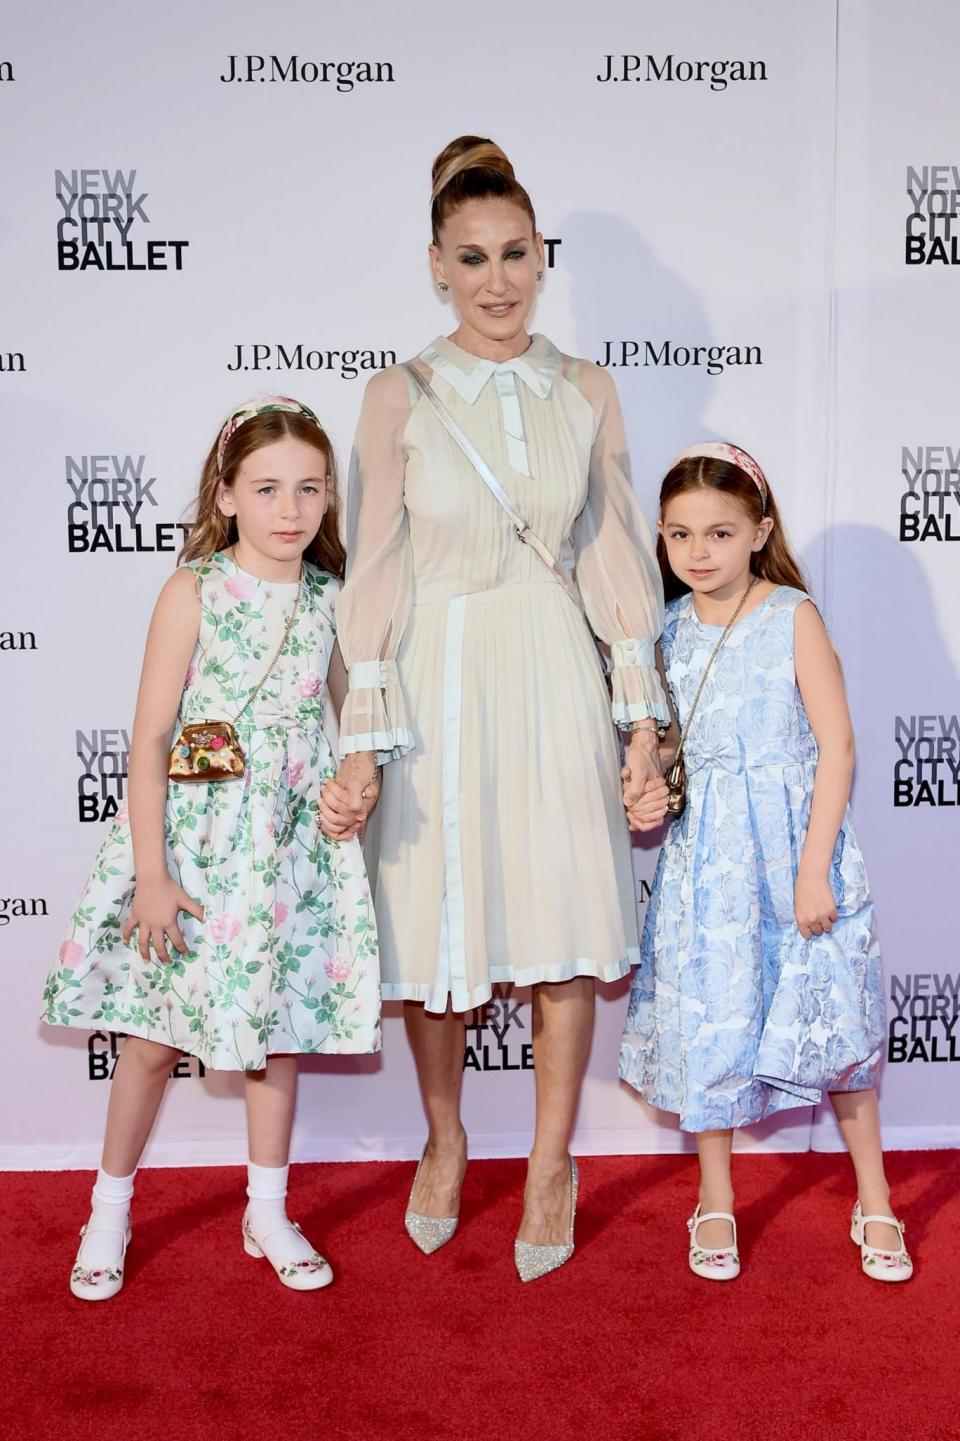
{"x": 499, "y": 850}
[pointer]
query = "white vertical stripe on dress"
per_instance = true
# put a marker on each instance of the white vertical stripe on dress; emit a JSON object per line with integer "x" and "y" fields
{"x": 512, "y": 412}
{"x": 451, "y": 977}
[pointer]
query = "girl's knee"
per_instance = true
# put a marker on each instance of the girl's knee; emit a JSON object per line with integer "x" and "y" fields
{"x": 151, "y": 1055}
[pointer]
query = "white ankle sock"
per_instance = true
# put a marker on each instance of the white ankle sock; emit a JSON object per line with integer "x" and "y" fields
{"x": 109, "y": 1217}
{"x": 267, "y": 1211}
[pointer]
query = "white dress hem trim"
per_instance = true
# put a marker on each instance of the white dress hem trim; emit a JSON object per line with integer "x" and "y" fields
{"x": 530, "y": 976}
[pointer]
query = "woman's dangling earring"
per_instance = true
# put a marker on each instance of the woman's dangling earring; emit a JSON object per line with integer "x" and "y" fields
{"x": 441, "y": 285}
{"x": 539, "y": 274}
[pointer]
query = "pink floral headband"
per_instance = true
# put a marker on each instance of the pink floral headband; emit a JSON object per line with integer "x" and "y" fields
{"x": 722, "y": 450}
{"x": 263, "y": 406}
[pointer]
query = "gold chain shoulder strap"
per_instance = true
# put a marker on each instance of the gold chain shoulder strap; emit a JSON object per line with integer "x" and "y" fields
{"x": 277, "y": 653}
{"x": 703, "y": 679}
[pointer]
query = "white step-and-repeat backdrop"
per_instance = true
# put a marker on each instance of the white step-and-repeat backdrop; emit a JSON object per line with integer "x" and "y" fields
{"x": 752, "y": 217}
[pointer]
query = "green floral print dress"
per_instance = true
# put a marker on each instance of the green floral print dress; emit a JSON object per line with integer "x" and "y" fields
{"x": 286, "y": 958}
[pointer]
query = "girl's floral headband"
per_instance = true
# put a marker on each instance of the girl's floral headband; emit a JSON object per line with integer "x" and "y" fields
{"x": 722, "y": 450}
{"x": 250, "y": 408}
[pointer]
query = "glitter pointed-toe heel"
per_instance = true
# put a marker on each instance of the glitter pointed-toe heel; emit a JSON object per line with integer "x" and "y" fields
{"x": 428, "y": 1233}
{"x": 534, "y": 1261}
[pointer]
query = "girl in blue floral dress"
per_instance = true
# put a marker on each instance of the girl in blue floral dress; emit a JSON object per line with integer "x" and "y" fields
{"x": 217, "y": 920}
{"x": 759, "y": 984}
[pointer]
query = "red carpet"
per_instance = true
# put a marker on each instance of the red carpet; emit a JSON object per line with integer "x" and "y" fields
{"x": 622, "y": 1343}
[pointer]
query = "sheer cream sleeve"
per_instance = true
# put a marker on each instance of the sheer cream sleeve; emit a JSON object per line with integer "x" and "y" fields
{"x": 617, "y": 570}
{"x": 374, "y": 603}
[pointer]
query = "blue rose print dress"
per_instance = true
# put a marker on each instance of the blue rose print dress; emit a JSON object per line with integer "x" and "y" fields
{"x": 733, "y": 1016}
{"x": 286, "y": 958}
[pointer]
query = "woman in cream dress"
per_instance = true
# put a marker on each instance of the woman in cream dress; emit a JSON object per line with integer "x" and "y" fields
{"x": 499, "y": 851}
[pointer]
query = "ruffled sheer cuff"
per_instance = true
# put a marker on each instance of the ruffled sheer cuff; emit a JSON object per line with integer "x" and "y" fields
{"x": 374, "y": 716}
{"x": 635, "y": 683}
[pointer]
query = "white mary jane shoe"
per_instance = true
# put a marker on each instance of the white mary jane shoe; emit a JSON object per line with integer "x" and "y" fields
{"x": 98, "y": 1283}
{"x": 309, "y": 1274}
{"x": 878, "y": 1264}
{"x": 723, "y": 1262}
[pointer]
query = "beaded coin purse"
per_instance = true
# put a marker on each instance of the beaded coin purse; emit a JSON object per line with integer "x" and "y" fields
{"x": 207, "y": 752}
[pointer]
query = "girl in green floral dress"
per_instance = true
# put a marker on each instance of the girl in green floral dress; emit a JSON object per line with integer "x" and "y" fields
{"x": 218, "y": 921}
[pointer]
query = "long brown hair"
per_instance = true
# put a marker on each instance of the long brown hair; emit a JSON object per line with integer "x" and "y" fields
{"x": 211, "y": 530}
{"x": 775, "y": 562}
{"x": 473, "y": 168}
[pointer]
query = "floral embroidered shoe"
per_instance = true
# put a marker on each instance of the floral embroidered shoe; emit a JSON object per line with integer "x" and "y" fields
{"x": 101, "y": 1282}
{"x": 308, "y": 1273}
{"x": 723, "y": 1262}
{"x": 880, "y": 1265}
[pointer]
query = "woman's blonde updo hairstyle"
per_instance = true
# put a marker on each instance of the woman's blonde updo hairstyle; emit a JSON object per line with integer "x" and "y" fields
{"x": 473, "y": 168}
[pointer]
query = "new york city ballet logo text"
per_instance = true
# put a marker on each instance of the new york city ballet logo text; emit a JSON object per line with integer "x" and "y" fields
{"x": 101, "y": 785}
{"x": 924, "y": 1027}
{"x": 103, "y": 1053}
{"x": 343, "y": 75}
{"x": 103, "y": 214}
{"x": 490, "y": 1046}
{"x": 930, "y": 504}
{"x": 927, "y": 772}
{"x": 933, "y": 220}
{"x": 110, "y": 506}
{"x": 717, "y": 74}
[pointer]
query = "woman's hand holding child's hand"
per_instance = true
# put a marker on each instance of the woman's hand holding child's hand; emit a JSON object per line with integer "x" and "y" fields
{"x": 650, "y": 809}
{"x": 154, "y": 914}
{"x": 348, "y": 799}
{"x": 814, "y": 905}
{"x": 644, "y": 789}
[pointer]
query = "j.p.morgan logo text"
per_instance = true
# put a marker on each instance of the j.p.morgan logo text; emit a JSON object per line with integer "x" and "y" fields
{"x": 14, "y": 907}
{"x": 930, "y": 504}
{"x": 717, "y": 74}
{"x": 347, "y": 364}
{"x": 490, "y": 1046}
{"x": 110, "y": 505}
{"x": 933, "y": 220}
{"x": 18, "y": 640}
{"x": 343, "y": 75}
{"x": 714, "y": 359}
{"x": 104, "y": 212}
{"x": 101, "y": 785}
{"x": 924, "y": 1027}
{"x": 928, "y": 770}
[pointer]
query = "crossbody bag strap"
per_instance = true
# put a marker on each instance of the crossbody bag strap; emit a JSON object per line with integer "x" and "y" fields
{"x": 703, "y": 679}
{"x": 524, "y": 533}
{"x": 276, "y": 655}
